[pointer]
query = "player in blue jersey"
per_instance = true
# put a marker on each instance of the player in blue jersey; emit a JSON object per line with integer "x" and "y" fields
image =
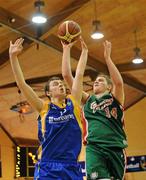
{"x": 103, "y": 111}
{"x": 59, "y": 122}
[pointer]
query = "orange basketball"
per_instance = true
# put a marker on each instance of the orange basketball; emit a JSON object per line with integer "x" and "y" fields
{"x": 69, "y": 31}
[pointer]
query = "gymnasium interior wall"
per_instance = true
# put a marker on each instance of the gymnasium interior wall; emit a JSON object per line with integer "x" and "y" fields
{"x": 7, "y": 151}
{"x": 135, "y": 126}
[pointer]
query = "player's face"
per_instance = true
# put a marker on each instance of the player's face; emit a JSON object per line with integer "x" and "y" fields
{"x": 100, "y": 85}
{"x": 57, "y": 89}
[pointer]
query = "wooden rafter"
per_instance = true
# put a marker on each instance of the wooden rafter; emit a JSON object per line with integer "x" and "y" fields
{"x": 42, "y": 79}
{"x": 8, "y": 134}
{"x": 54, "y": 42}
{"x": 131, "y": 67}
{"x": 26, "y": 28}
{"x": 27, "y": 142}
{"x": 136, "y": 100}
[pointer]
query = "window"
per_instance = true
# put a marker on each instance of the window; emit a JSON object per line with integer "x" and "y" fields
{"x": 25, "y": 161}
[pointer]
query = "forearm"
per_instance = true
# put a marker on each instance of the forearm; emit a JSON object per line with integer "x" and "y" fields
{"x": 66, "y": 68}
{"x": 114, "y": 72}
{"x": 82, "y": 63}
{"x": 28, "y": 92}
{"x": 17, "y": 70}
{"x": 77, "y": 88}
{"x": 118, "y": 86}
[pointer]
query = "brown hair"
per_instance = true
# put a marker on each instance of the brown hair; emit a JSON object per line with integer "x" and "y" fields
{"x": 47, "y": 86}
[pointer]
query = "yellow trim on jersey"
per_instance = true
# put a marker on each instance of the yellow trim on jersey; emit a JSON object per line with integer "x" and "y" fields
{"x": 43, "y": 114}
{"x": 39, "y": 152}
{"x": 77, "y": 111}
{"x": 61, "y": 105}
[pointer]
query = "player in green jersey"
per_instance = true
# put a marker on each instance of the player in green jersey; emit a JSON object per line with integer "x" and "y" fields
{"x": 103, "y": 112}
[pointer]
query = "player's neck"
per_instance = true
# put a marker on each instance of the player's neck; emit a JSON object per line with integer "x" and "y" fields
{"x": 99, "y": 95}
{"x": 60, "y": 101}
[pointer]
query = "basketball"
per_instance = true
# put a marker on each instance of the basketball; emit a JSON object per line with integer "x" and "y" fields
{"x": 69, "y": 31}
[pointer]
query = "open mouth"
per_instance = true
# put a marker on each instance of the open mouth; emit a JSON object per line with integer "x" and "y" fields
{"x": 96, "y": 84}
{"x": 61, "y": 89}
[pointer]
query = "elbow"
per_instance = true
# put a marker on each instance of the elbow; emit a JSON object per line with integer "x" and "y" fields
{"x": 120, "y": 84}
{"x": 80, "y": 73}
{"x": 65, "y": 76}
{"x": 79, "y": 76}
{"x": 68, "y": 79}
{"x": 21, "y": 84}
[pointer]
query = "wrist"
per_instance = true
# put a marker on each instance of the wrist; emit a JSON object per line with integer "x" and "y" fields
{"x": 108, "y": 59}
{"x": 66, "y": 48}
{"x": 84, "y": 50}
{"x": 12, "y": 55}
{"x": 107, "y": 56}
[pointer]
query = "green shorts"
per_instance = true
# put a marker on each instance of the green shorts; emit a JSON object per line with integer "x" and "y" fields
{"x": 105, "y": 163}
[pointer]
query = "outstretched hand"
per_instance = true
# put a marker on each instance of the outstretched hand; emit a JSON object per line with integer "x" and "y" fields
{"x": 65, "y": 45}
{"x": 16, "y": 47}
{"x": 107, "y": 49}
{"x": 69, "y": 46}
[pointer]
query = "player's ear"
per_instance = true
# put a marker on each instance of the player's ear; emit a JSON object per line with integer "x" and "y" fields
{"x": 109, "y": 87}
{"x": 48, "y": 94}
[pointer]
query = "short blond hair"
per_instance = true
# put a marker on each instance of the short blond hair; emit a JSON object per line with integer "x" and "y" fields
{"x": 107, "y": 77}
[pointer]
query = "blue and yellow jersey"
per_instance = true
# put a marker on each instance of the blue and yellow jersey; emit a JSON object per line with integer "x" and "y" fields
{"x": 60, "y": 131}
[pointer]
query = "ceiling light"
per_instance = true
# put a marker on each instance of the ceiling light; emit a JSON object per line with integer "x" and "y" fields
{"x": 22, "y": 107}
{"x": 96, "y": 33}
{"x": 137, "y": 59}
{"x": 39, "y": 17}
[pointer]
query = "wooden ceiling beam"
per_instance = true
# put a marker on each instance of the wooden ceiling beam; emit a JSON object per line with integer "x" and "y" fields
{"x": 53, "y": 41}
{"x": 27, "y": 28}
{"x": 136, "y": 100}
{"x": 131, "y": 67}
{"x": 43, "y": 79}
{"x": 64, "y": 13}
{"x": 4, "y": 56}
{"x": 134, "y": 83}
{"x": 25, "y": 142}
{"x": 8, "y": 134}
{"x": 20, "y": 23}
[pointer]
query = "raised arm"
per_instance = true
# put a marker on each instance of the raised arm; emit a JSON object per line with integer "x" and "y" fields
{"x": 77, "y": 86}
{"x": 118, "y": 85}
{"x": 66, "y": 68}
{"x": 28, "y": 92}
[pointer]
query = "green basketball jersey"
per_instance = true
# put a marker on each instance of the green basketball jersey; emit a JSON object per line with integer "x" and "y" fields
{"x": 104, "y": 117}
